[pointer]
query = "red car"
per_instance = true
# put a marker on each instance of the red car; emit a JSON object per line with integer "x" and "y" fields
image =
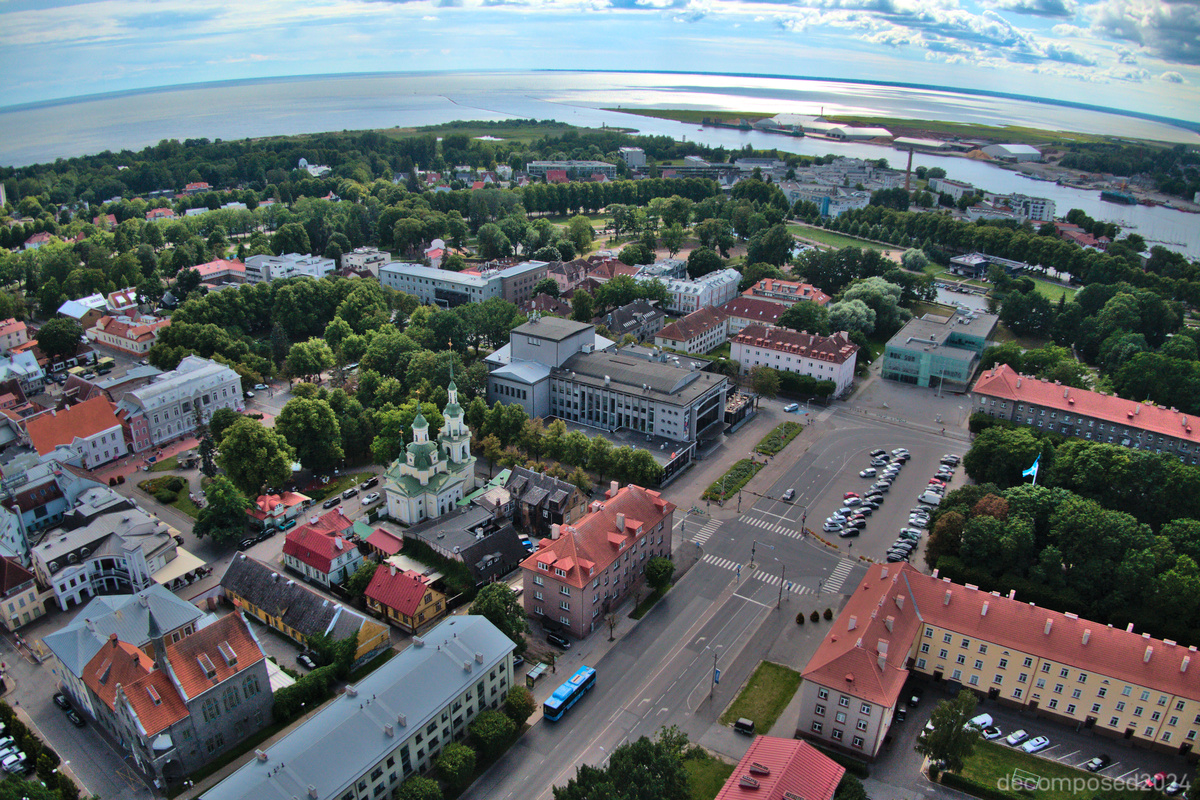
{"x": 848, "y": 495}
{"x": 936, "y": 482}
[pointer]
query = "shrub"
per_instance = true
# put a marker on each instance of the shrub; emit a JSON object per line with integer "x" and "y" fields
{"x": 519, "y": 704}
{"x": 176, "y": 484}
{"x": 800, "y": 618}
{"x": 456, "y": 765}
{"x": 166, "y": 496}
{"x": 492, "y": 730}
{"x": 815, "y": 617}
{"x": 120, "y": 479}
{"x": 828, "y": 614}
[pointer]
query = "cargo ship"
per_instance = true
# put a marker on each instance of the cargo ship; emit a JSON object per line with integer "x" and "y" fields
{"x": 1113, "y": 196}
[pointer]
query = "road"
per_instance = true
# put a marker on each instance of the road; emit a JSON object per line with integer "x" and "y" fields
{"x": 661, "y": 672}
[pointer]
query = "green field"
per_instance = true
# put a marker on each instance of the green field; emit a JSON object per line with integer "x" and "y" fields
{"x": 833, "y": 239}
{"x": 691, "y": 115}
{"x": 515, "y": 130}
{"x": 1052, "y": 291}
{"x": 1006, "y": 133}
{"x": 993, "y": 763}
{"x": 764, "y": 697}
{"x": 706, "y": 776}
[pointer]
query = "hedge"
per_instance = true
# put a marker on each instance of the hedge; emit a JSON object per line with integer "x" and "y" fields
{"x": 734, "y": 479}
{"x": 779, "y": 438}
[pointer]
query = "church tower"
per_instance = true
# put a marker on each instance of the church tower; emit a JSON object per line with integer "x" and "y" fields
{"x": 455, "y": 437}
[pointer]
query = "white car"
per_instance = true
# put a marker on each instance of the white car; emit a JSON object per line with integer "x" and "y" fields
{"x": 869, "y": 472}
{"x": 1016, "y": 737}
{"x": 1036, "y": 744}
{"x": 373, "y": 497}
{"x": 832, "y": 527}
{"x": 900, "y": 451}
{"x": 14, "y": 763}
{"x": 991, "y": 732}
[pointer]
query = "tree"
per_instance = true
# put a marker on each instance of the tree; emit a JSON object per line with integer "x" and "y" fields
{"x": 456, "y": 765}
{"x": 772, "y": 246}
{"x": 220, "y": 422}
{"x": 580, "y": 233}
{"x": 636, "y": 254}
{"x": 806, "y": 316}
{"x": 642, "y": 770}
{"x": 850, "y": 788}
{"x": 764, "y": 381}
{"x": 702, "y": 261}
{"x": 999, "y": 455}
{"x": 547, "y": 286}
{"x": 519, "y": 704}
{"x": 59, "y": 338}
{"x": 208, "y": 467}
{"x": 659, "y": 571}
{"x": 500, "y": 605}
{"x": 580, "y": 480}
{"x": 254, "y": 456}
{"x": 883, "y": 298}
{"x": 492, "y": 450}
{"x": 290, "y": 238}
{"x": 357, "y": 583}
{"x": 952, "y": 740}
{"x": 851, "y": 316}
{"x": 418, "y": 787}
{"x": 493, "y": 243}
{"x": 492, "y": 730}
{"x": 583, "y": 307}
{"x": 308, "y": 359}
{"x": 224, "y": 514}
{"x": 673, "y": 238}
{"x": 914, "y": 259}
{"x": 311, "y": 428}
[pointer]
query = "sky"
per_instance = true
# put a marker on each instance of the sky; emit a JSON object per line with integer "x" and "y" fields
{"x": 1140, "y": 55}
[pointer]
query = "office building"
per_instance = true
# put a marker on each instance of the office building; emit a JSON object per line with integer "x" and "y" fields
{"x": 167, "y": 407}
{"x": 976, "y": 265}
{"x": 389, "y": 726}
{"x": 366, "y": 258}
{"x": 956, "y": 189}
{"x": 1004, "y": 393}
{"x": 573, "y": 170}
{"x": 586, "y": 569}
{"x": 634, "y": 157}
{"x": 825, "y": 358}
{"x": 1114, "y": 681}
{"x": 714, "y": 289}
{"x": 264, "y": 269}
{"x": 933, "y": 350}
{"x": 448, "y": 289}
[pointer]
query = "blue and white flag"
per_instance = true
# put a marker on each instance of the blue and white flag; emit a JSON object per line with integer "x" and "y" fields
{"x": 1032, "y": 470}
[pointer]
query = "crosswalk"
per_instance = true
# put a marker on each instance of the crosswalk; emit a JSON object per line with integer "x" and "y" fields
{"x": 833, "y": 584}
{"x": 707, "y": 531}
{"x": 760, "y": 575}
{"x": 792, "y": 529}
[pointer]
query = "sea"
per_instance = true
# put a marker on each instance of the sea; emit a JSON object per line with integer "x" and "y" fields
{"x": 47, "y": 131}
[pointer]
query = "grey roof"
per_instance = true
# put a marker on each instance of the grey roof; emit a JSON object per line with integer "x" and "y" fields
{"x": 300, "y": 608}
{"x": 534, "y": 487}
{"x": 529, "y": 372}
{"x": 452, "y": 530}
{"x": 665, "y": 383}
{"x": 552, "y": 328}
{"x": 495, "y": 555}
{"x": 934, "y": 331}
{"x": 107, "y": 534}
{"x": 632, "y": 315}
{"x": 123, "y": 614}
{"x": 348, "y": 737}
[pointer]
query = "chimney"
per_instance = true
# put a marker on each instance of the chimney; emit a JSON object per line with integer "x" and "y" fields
{"x": 312, "y": 791}
{"x": 478, "y": 658}
{"x": 612, "y": 489}
{"x": 392, "y": 568}
{"x": 1087, "y": 634}
{"x": 402, "y": 720}
{"x": 1183, "y": 665}
{"x": 889, "y": 622}
{"x": 261, "y": 755}
{"x": 946, "y": 599}
{"x": 883, "y": 573}
{"x": 900, "y": 602}
{"x": 1129, "y": 628}
{"x": 1049, "y": 625}
{"x": 1012, "y": 593}
{"x": 1149, "y": 652}
{"x": 881, "y": 660}
{"x": 983, "y": 609}
{"x": 555, "y": 530}
{"x": 389, "y": 730}
{"x": 621, "y": 523}
{"x": 853, "y": 623}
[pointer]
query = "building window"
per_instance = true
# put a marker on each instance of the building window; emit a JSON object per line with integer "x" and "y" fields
{"x": 1017, "y": 694}
{"x": 823, "y": 694}
{"x": 1028, "y": 662}
{"x": 961, "y": 659}
{"x": 862, "y": 724}
{"x": 819, "y": 710}
{"x": 866, "y": 709}
{"x": 1053, "y": 703}
{"x": 1137, "y": 712}
{"x": 1070, "y": 708}
{"x": 920, "y": 663}
{"x": 840, "y": 716}
{"x": 844, "y": 701}
{"x": 858, "y": 742}
{"x": 942, "y": 653}
{"x": 978, "y": 664}
{"x": 946, "y": 638}
{"x": 1114, "y": 722}
{"x": 999, "y": 679}
{"x": 837, "y": 735}
{"x": 974, "y": 680}
{"x": 816, "y": 726}
{"x": 924, "y": 647}
{"x": 1121, "y": 706}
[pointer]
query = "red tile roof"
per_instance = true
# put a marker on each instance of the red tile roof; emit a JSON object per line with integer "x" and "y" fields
{"x": 161, "y": 213}
{"x": 556, "y": 176}
{"x": 11, "y": 326}
{"x": 387, "y": 543}
{"x": 116, "y": 663}
{"x": 544, "y": 302}
{"x": 402, "y": 591}
{"x": 53, "y": 428}
{"x": 155, "y": 701}
{"x": 610, "y": 269}
{"x": 267, "y": 504}
{"x": 38, "y": 238}
{"x": 787, "y": 291}
{"x": 12, "y": 575}
{"x": 109, "y": 218}
{"x": 139, "y": 331}
{"x": 320, "y": 541}
{"x": 220, "y": 265}
{"x": 595, "y": 541}
{"x": 694, "y": 324}
{"x": 1005, "y": 383}
{"x": 222, "y": 650}
{"x": 754, "y": 309}
{"x": 836, "y": 348}
{"x": 774, "y": 766}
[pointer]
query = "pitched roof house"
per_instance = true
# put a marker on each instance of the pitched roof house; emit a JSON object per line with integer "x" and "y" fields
{"x": 404, "y": 598}
{"x": 91, "y": 428}
{"x": 698, "y": 332}
{"x": 320, "y": 549}
{"x": 782, "y": 768}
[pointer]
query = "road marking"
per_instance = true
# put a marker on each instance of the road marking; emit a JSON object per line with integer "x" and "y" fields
{"x": 773, "y": 580}
{"x": 707, "y": 531}
{"x": 1068, "y": 755}
{"x": 1124, "y": 775}
{"x": 833, "y": 584}
{"x": 723, "y": 563}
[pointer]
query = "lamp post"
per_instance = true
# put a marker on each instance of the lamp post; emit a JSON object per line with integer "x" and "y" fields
{"x": 713, "y": 689}
{"x": 782, "y": 572}
{"x": 754, "y": 545}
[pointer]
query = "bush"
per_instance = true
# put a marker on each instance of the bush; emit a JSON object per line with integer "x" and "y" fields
{"x": 779, "y": 438}
{"x": 492, "y": 731}
{"x": 828, "y": 614}
{"x": 519, "y": 704}
{"x": 734, "y": 479}
{"x": 176, "y": 484}
{"x": 800, "y": 618}
{"x": 166, "y": 496}
{"x": 456, "y": 765}
{"x": 305, "y": 694}
{"x": 815, "y": 617}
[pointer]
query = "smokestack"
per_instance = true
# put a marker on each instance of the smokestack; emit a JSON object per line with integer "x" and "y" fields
{"x": 1087, "y": 634}
{"x": 1183, "y": 665}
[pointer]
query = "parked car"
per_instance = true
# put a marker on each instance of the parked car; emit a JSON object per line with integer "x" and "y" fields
{"x": 872, "y": 503}
{"x": 1098, "y": 763}
{"x": 369, "y": 483}
{"x": 849, "y": 533}
{"x": 951, "y": 459}
{"x": 248, "y": 395}
{"x": 881, "y": 487}
{"x": 246, "y": 544}
{"x": 1157, "y": 781}
{"x": 901, "y": 714}
{"x": 558, "y": 640}
{"x": 914, "y": 697}
{"x": 869, "y": 472}
{"x": 846, "y": 511}
{"x": 831, "y": 526}
{"x": 75, "y": 718}
{"x": 878, "y": 452}
{"x": 991, "y": 732}
{"x": 351, "y": 492}
{"x": 981, "y": 721}
{"x": 373, "y": 497}
{"x": 895, "y": 558}
{"x": 902, "y": 458}
{"x": 865, "y": 510}
{"x": 331, "y": 502}
{"x": 791, "y": 408}
{"x": 851, "y": 502}
{"x": 848, "y": 495}
{"x": 879, "y": 462}
{"x": 1173, "y": 788}
{"x": 287, "y": 525}
{"x": 260, "y": 387}
{"x": 1016, "y": 737}
{"x": 62, "y": 701}
{"x": 858, "y": 523}
{"x": 900, "y": 451}
{"x": 789, "y": 495}
{"x": 1036, "y": 744}
{"x": 14, "y": 762}
{"x": 306, "y": 661}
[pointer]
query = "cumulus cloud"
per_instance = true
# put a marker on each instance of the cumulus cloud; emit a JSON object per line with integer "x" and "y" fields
{"x": 1171, "y": 76}
{"x": 1169, "y": 30}
{"x": 1037, "y": 8}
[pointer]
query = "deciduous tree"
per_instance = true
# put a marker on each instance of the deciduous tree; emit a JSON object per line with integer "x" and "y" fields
{"x": 224, "y": 514}
{"x": 255, "y": 457}
{"x": 952, "y": 740}
{"x": 311, "y": 428}
{"x": 500, "y": 605}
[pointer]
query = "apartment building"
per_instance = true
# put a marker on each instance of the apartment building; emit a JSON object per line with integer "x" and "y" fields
{"x": 745, "y": 311}
{"x": 933, "y": 351}
{"x": 263, "y": 269}
{"x": 574, "y": 170}
{"x": 391, "y": 725}
{"x": 825, "y": 358}
{"x": 12, "y": 333}
{"x": 127, "y": 334}
{"x": 448, "y": 289}
{"x": 320, "y": 549}
{"x": 367, "y": 258}
{"x": 1004, "y": 393}
{"x": 786, "y": 292}
{"x": 955, "y": 189}
{"x": 91, "y": 428}
{"x": 18, "y": 594}
{"x": 37, "y": 494}
{"x": 1114, "y": 681}
{"x": 165, "y": 408}
{"x": 714, "y": 289}
{"x": 698, "y": 332}
{"x": 634, "y": 157}
{"x": 584, "y": 570}
{"x": 640, "y": 319}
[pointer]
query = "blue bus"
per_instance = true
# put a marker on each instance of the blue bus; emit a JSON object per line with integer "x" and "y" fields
{"x": 569, "y": 693}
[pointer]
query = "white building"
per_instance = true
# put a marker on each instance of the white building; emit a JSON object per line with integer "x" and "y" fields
{"x": 1037, "y": 209}
{"x": 826, "y": 358}
{"x": 165, "y": 408}
{"x": 262, "y": 269}
{"x": 447, "y": 288}
{"x": 90, "y": 428}
{"x": 698, "y": 332}
{"x": 634, "y": 157}
{"x": 1018, "y": 153}
{"x": 128, "y": 334}
{"x": 714, "y": 289}
{"x": 955, "y": 189}
{"x": 367, "y": 258}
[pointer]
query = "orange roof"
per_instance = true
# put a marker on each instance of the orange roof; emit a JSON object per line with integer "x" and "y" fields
{"x": 787, "y": 291}
{"x": 1005, "y": 383}
{"x": 595, "y": 541}
{"x": 754, "y": 308}
{"x": 266, "y": 504}
{"x": 220, "y": 265}
{"x": 387, "y": 543}
{"x": 694, "y": 324}
{"x": 155, "y": 702}
{"x": 47, "y": 431}
{"x": 320, "y": 541}
{"x": 213, "y": 654}
{"x": 836, "y": 349}
{"x": 131, "y": 331}
{"x": 774, "y": 767}
{"x": 402, "y": 591}
{"x": 11, "y": 326}
{"x": 116, "y": 664}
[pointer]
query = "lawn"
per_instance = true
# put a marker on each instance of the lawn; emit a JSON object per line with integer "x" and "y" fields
{"x": 180, "y": 499}
{"x": 920, "y": 309}
{"x": 779, "y": 438}
{"x": 165, "y": 464}
{"x": 337, "y": 486}
{"x": 734, "y": 478}
{"x": 706, "y": 776}
{"x": 1051, "y": 290}
{"x": 764, "y": 697}
{"x": 834, "y": 239}
{"x": 1006, "y": 133}
{"x": 643, "y": 608}
{"x": 1003, "y": 334}
{"x": 992, "y": 762}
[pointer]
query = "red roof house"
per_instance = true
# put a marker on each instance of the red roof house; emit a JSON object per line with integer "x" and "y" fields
{"x": 556, "y": 176}
{"x": 273, "y": 509}
{"x": 404, "y": 598}
{"x": 37, "y": 240}
{"x": 775, "y": 768}
{"x": 321, "y": 550}
{"x": 92, "y": 428}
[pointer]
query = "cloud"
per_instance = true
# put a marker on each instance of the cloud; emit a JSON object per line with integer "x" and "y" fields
{"x": 1066, "y": 31}
{"x": 1170, "y": 76}
{"x": 1037, "y": 8}
{"x": 1169, "y": 29}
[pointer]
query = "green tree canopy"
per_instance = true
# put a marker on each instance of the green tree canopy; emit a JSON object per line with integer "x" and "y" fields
{"x": 255, "y": 457}
{"x": 952, "y": 740}
{"x": 500, "y": 605}
{"x": 59, "y": 338}
{"x": 456, "y": 765}
{"x": 311, "y": 428}
{"x": 224, "y": 514}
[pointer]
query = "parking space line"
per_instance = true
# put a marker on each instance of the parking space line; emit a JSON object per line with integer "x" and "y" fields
{"x": 1124, "y": 775}
{"x": 1068, "y": 755}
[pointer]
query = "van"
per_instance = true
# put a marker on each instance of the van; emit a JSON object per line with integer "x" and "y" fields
{"x": 791, "y": 408}
{"x": 930, "y": 499}
{"x": 745, "y": 726}
{"x": 982, "y": 721}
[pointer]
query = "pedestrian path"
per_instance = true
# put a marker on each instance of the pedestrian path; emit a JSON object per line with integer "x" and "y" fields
{"x": 833, "y": 584}
{"x": 707, "y": 531}
{"x": 774, "y": 527}
{"x": 770, "y": 580}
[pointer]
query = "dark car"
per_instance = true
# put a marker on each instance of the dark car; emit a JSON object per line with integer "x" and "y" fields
{"x": 351, "y": 492}
{"x": 305, "y": 661}
{"x": 62, "y": 701}
{"x": 914, "y": 697}
{"x": 1098, "y": 763}
{"x": 367, "y": 484}
{"x": 518, "y": 660}
{"x": 881, "y": 486}
{"x": 866, "y": 509}
{"x": 331, "y": 502}
{"x": 246, "y": 544}
{"x": 901, "y": 714}
{"x": 878, "y": 452}
{"x": 849, "y": 532}
{"x": 558, "y": 641}
{"x": 75, "y": 719}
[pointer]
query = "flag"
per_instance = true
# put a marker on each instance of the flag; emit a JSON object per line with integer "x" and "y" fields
{"x": 1032, "y": 470}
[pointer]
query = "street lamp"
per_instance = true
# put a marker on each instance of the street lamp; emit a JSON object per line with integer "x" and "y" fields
{"x": 782, "y": 572}
{"x": 712, "y": 691}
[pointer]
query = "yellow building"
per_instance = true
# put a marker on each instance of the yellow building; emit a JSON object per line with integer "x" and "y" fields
{"x": 899, "y": 621}
{"x": 403, "y": 598}
{"x": 18, "y": 595}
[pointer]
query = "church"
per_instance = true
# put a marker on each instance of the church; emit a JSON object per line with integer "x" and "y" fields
{"x": 430, "y": 477}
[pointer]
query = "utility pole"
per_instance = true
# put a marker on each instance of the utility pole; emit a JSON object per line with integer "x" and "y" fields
{"x": 782, "y": 572}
